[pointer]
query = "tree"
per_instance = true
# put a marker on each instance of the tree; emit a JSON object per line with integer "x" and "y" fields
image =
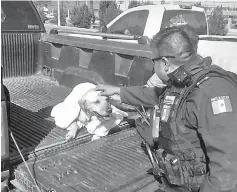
{"x": 148, "y": 3}
{"x": 138, "y": 3}
{"x": 41, "y": 12}
{"x": 102, "y": 11}
{"x": 63, "y": 16}
{"x": 111, "y": 12}
{"x": 93, "y": 17}
{"x": 198, "y": 4}
{"x": 134, "y": 4}
{"x": 162, "y": 2}
{"x": 108, "y": 11}
{"x": 40, "y": 5}
{"x": 217, "y": 22}
{"x": 81, "y": 16}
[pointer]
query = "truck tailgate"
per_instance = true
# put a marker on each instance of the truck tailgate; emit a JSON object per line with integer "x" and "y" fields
{"x": 113, "y": 163}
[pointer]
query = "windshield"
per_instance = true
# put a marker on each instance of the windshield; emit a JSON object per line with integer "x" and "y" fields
{"x": 181, "y": 17}
{"x": 132, "y": 23}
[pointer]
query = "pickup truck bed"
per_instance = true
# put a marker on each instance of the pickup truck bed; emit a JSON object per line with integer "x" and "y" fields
{"x": 32, "y": 99}
{"x": 113, "y": 163}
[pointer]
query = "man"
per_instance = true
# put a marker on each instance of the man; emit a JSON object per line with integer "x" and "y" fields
{"x": 154, "y": 80}
{"x": 197, "y": 145}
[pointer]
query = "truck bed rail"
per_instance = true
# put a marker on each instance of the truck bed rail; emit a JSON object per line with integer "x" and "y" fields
{"x": 100, "y": 44}
{"x": 104, "y": 35}
{"x": 218, "y": 38}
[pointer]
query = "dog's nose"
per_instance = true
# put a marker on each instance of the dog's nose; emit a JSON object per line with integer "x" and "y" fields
{"x": 110, "y": 110}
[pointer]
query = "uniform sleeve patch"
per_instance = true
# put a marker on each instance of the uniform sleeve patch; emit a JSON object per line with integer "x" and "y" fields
{"x": 221, "y": 104}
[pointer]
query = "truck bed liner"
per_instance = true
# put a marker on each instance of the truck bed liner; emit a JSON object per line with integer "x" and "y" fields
{"x": 32, "y": 99}
{"x": 113, "y": 163}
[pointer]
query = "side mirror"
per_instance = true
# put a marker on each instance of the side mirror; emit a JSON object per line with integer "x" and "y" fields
{"x": 53, "y": 31}
{"x": 104, "y": 29}
{"x": 144, "y": 40}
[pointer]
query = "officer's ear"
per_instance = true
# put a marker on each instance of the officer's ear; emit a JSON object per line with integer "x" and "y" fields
{"x": 165, "y": 63}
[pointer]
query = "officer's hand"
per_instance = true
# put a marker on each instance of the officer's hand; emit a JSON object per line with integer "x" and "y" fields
{"x": 108, "y": 90}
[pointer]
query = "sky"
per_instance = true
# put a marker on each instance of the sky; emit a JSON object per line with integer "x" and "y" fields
{"x": 212, "y": 0}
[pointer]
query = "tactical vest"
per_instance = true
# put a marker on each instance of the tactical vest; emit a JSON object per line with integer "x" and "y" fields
{"x": 179, "y": 152}
{"x": 180, "y": 155}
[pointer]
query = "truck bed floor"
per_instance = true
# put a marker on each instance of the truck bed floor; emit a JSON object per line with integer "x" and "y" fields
{"x": 113, "y": 163}
{"x": 32, "y": 99}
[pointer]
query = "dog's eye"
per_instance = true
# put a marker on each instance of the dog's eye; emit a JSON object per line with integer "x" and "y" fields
{"x": 97, "y": 102}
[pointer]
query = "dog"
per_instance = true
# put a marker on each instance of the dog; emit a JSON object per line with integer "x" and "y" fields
{"x": 85, "y": 107}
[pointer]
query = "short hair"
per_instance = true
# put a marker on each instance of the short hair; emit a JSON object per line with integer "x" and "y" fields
{"x": 191, "y": 32}
{"x": 172, "y": 41}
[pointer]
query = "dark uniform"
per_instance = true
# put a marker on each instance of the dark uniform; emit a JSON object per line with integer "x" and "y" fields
{"x": 201, "y": 132}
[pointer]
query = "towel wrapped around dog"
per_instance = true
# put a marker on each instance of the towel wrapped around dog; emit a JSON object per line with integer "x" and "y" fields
{"x": 66, "y": 112}
{"x": 70, "y": 110}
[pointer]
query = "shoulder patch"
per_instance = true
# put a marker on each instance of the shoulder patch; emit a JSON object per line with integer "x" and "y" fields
{"x": 221, "y": 104}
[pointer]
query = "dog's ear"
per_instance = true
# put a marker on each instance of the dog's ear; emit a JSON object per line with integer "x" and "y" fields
{"x": 84, "y": 104}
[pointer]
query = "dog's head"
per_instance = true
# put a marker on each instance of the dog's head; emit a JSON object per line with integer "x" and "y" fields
{"x": 91, "y": 101}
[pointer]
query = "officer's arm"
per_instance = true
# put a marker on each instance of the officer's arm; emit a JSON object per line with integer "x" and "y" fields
{"x": 138, "y": 95}
{"x": 214, "y": 114}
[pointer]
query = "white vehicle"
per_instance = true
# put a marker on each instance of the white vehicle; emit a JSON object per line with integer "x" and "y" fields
{"x": 148, "y": 20}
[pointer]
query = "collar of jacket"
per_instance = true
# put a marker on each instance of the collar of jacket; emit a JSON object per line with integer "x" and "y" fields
{"x": 193, "y": 66}
{"x": 197, "y": 64}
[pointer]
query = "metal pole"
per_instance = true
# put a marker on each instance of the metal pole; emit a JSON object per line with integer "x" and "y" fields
{"x": 59, "y": 13}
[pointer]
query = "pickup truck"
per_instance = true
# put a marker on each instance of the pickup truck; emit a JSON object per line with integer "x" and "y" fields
{"x": 139, "y": 21}
{"x": 39, "y": 70}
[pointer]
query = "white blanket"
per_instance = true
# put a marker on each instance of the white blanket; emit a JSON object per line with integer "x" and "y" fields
{"x": 68, "y": 111}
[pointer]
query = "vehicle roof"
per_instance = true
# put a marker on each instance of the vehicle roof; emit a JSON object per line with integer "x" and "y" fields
{"x": 165, "y": 6}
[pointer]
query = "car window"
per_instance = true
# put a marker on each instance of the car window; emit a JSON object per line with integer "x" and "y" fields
{"x": 131, "y": 24}
{"x": 19, "y": 16}
{"x": 180, "y": 17}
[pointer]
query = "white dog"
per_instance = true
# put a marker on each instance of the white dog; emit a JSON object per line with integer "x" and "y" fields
{"x": 84, "y": 107}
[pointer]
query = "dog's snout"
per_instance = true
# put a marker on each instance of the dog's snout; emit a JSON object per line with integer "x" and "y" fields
{"x": 110, "y": 110}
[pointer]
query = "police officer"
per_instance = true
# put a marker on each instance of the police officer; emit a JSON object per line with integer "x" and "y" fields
{"x": 197, "y": 145}
{"x": 154, "y": 80}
